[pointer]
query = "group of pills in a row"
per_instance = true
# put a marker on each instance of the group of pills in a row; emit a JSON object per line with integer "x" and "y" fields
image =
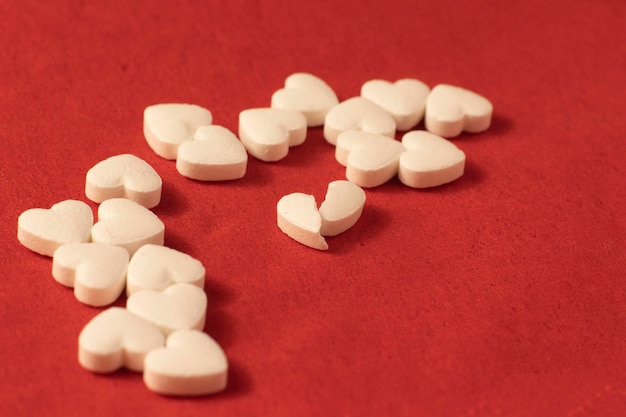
{"x": 159, "y": 331}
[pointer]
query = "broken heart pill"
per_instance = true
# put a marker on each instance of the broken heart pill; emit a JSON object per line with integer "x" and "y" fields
{"x": 357, "y": 113}
{"x": 370, "y": 159}
{"x": 299, "y": 218}
{"x": 177, "y": 307}
{"x": 124, "y": 176}
{"x": 156, "y": 267}
{"x": 44, "y": 230}
{"x": 96, "y": 271}
{"x": 341, "y": 208}
{"x": 429, "y": 160}
{"x": 215, "y": 154}
{"x": 404, "y": 99}
{"x": 166, "y": 126}
{"x": 123, "y": 222}
{"x": 268, "y": 133}
{"x": 117, "y": 338}
{"x": 451, "y": 110}
{"x": 190, "y": 364}
{"x": 308, "y": 94}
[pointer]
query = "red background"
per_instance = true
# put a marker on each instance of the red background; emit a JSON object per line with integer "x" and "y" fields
{"x": 501, "y": 294}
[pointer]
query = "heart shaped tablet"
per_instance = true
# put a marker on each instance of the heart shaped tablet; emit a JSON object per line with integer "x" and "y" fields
{"x": 268, "y": 133}
{"x": 405, "y": 99}
{"x": 44, "y": 230}
{"x": 96, "y": 271}
{"x": 155, "y": 267}
{"x": 125, "y": 176}
{"x": 215, "y": 154}
{"x": 429, "y": 161}
{"x": 191, "y": 363}
{"x": 167, "y": 125}
{"x": 358, "y": 113}
{"x": 451, "y": 110}
{"x": 122, "y": 222}
{"x": 117, "y": 338}
{"x": 371, "y": 159}
{"x": 341, "y": 208}
{"x": 178, "y": 307}
{"x": 307, "y": 94}
{"x": 299, "y": 218}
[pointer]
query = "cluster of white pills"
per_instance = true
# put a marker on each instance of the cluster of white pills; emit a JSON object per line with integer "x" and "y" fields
{"x": 363, "y": 129}
{"x": 159, "y": 332}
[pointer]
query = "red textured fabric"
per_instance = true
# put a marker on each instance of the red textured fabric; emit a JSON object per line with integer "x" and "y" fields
{"x": 501, "y": 294}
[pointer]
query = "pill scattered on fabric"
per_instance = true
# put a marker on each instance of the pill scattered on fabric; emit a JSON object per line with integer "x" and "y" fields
{"x": 342, "y": 207}
{"x": 160, "y": 330}
{"x": 268, "y": 133}
{"x": 122, "y": 222}
{"x": 156, "y": 267}
{"x": 124, "y": 176}
{"x": 371, "y": 160}
{"x": 299, "y": 218}
{"x": 166, "y": 126}
{"x": 404, "y": 99}
{"x": 357, "y": 113}
{"x": 308, "y": 94}
{"x": 96, "y": 271}
{"x": 429, "y": 161}
{"x": 215, "y": 154}
{"x": 44, "y": 230}
{"x": 450, "y": 110}
{"x": 190, "y": 364}
{"x": 117, "y": 338}
{"x": 177, "y": 307}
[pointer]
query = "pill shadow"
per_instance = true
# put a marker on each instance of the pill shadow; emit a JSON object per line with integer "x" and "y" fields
{"x": 238, "y": 384}
{"x": 256, "y": 175}
{"x": 473, "y": 175}
{"x": 219, "y": 326}
{"x": 374, "y": 221}
{"x": 218, "y": 323}
{"x": 314, "y": 151}
{"x": 500, "y": 124}
{"x": 239, "y": 381}
{"x": 171, "y": 202}
{"x": 217, "y": 292}
{"x": 178, "y": 241}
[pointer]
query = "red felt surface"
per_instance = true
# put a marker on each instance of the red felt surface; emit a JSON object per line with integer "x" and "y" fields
{"x": 501, "y": 294}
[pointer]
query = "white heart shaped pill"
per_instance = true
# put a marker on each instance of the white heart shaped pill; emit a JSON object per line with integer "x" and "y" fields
{"x": 268, "y": 133}
{"x": 117, "y": 338}
{"x": 341, "y": 208}
{"x": 451, "y": 110}
{"x": 177, "y": 307}
{"x": 215, "y": 154}
{"x": 191, "y": 363}
{"x": 44, "y": 230}
{"x": 96, "y": 271}
{"x": 299, "y": 218}
{"x": 124, "y": 176}
{"x": 122, "y": 222}
{"x": 357, "y": 113}
{"x": 371, "y": 160}
{"x": 155, "y": 267}
{"x": 308, "y": 94}
{"x": 405, "y": 99}
{"x": 429, "y": 161}
{"x": 167, "y": 125}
